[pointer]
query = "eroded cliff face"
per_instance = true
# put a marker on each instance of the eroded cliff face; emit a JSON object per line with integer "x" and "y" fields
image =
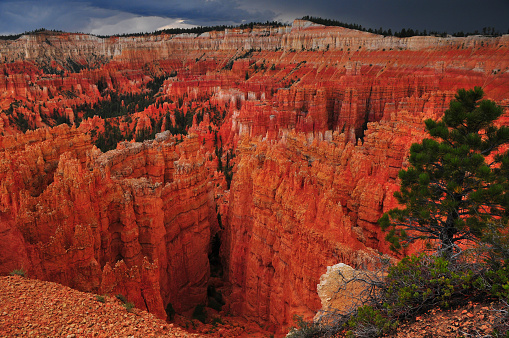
{"x": 307, "y": 201}
{"x": 320, "y": 120}
{"x": 134, "y": 221}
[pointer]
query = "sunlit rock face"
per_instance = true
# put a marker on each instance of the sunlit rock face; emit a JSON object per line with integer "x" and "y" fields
{"x": 134, "y": 221}
{"x": 305, "y": 202}
{"x": 320, "y": 120}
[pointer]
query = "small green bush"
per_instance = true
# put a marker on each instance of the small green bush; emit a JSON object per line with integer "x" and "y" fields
{"x": 18, "y": 272}
{"x": 100, "y": 298}
{"x": 420, "y": 282}
{"x": 499, "y": 280}
{"x": 304, "y": 329}
{"x": 121, "y": 298}
{"x": 371, "y": 321}
{"x": 128, "y": 306}
{"x": 125, "y": 303}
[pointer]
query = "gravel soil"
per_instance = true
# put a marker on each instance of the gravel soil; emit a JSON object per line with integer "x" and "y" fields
{"x": 34, "y": 308}
{"x": 472, "y": 320}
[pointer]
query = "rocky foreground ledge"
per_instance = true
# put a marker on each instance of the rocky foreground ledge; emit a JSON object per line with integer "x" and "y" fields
{"x": 34, "y": 308}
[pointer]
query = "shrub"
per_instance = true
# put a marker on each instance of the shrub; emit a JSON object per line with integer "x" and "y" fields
{"x": 370, "y": 322}
{"x": 498, "y": 278}
{"x": 121, "y": 298}
{"x": 125, "y": 303}
{"x": 305, "y": 329}
{"x": 18, "y": 272}
{"x": 128, "y": 306}
{"x": 420, "y": 282}
{"x": 501, "y": 322}
{"x": 100, "y": 299}
{"x": 410, "y": 288}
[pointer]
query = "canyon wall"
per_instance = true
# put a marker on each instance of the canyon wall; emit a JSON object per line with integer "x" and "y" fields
{"x": 305, "y": 202}
{"x": 134, "y": 221}
{"x": 315, "y": 121}
{"x": 301, "y": 35}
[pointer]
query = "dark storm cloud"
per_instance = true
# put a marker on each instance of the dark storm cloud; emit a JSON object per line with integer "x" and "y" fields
{"x": 125, "y": 16}
{"x": 19, "y": 16}
{"x": 120, "y": 16}
{"x": 212, "y": 11}
{"x": 441, "y": 15}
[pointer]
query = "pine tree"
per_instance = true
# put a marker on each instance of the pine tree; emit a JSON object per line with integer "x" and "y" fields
{"x": 456, "y": 186}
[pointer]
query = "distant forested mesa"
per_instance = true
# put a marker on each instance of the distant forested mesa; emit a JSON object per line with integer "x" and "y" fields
{"x": 35, "y": 31}
{"x": 204, "y": 29}
{"x": 404, "y": 33}
{"x": 192, "y": 30}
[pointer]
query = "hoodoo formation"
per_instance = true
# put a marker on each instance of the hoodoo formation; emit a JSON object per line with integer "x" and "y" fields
{"x": 249, "y": 160}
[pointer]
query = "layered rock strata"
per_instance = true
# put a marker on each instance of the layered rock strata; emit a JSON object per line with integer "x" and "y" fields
{"x": 134, "y": 221}
{"x": 305, "y": 202}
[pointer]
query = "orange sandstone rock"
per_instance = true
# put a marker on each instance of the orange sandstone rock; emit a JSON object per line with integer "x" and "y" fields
{"x": 136, "y": 220}
{"x": 305, "y": 202}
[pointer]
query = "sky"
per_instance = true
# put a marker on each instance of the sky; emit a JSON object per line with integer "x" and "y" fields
{"x": 108, "y": 17}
